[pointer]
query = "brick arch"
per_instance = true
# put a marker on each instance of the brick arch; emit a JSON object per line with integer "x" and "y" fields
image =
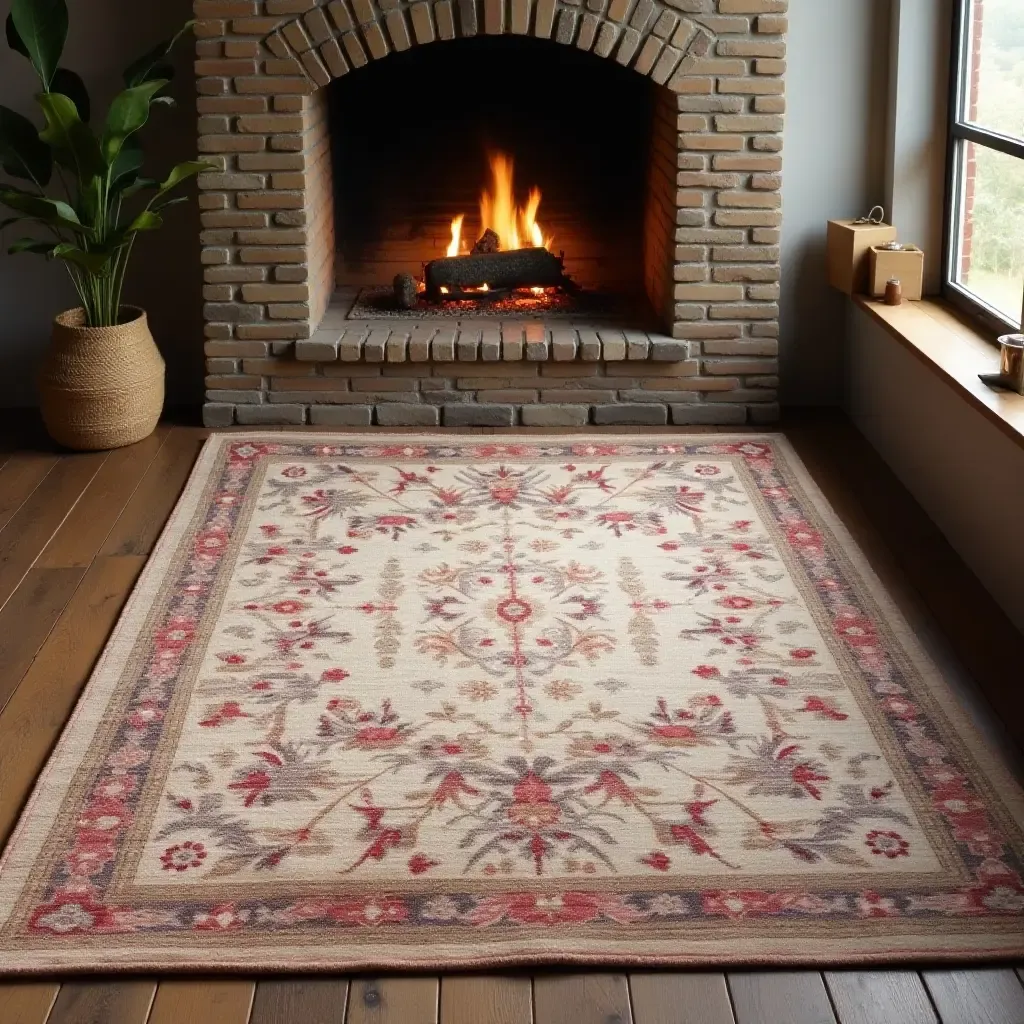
{"x": 712, "y": 223}
{"x": 329, "y": 41}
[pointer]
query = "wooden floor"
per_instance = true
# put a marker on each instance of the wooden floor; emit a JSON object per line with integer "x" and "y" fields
{"x": 75, "y": 530}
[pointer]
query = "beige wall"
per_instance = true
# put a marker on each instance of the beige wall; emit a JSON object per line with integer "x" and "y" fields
{"x": 166, "y": 278}
{"x": 964, "y": 471}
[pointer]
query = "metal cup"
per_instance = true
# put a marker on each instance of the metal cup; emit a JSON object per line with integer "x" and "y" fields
{"x": 1011, "y": 365}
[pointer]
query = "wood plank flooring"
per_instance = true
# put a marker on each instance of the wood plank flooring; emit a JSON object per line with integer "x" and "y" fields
{"x": 75, "y": 531}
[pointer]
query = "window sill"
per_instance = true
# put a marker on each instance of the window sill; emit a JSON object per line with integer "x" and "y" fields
{"x": 955, "y": 351}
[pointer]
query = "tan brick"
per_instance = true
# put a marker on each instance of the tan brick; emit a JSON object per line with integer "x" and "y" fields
{"x": 271, "y": 85}
{"x": 691, "y": 123}
{"x": 334, "y": 58}
{"x": 708, "y": 292}
{"x": 270, "y": 200}
{"x": 225, "y": 67}
{"x": 770, "y": 25}
{"x": 759, "y": 200}
{"x": 241, "y": 48}
{"x": 753, "y": 6}
{"x": 704, "y": 179}
{"x": 749, "y": 123}
{"x": 748, "y": 218}
{"x": 232, "y": 219}
{"x": 267, "y": 124}
{"x": 751, "y": 86}
{"x": 275, "y": 292}
{"x": 232, "y": 381}
{"x": 751, "y": 48}
{"x": 770, "y": 104}
{"x": 747, "y": 162}
{"x": 768, "y": 182}
{"x": 340, "y": 15}
{"x": 273, "y": 332}
{"x": 272, "y": 162}
{"x": 769, "y": 66}
{"x": 690, "y": 85}
{"x": 745, "y": 254}
{"x": 209, "y": 144}
{"x": 211, "y": 86}
{"x": 272, "y": 254}
{"x": 273, "y": 236}
{"x": 278, "y": 367}
{"x": 712, "y": 142}
{"x": 210, "y": 28}
{"x": 231, "y": 104}
{"x": 748, "y": 311}
{"x": 752, "y": 273}
{"x": 233, "y": 274}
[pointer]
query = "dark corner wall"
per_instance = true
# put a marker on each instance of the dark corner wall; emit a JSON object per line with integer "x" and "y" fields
{"x": 166, "y": 278}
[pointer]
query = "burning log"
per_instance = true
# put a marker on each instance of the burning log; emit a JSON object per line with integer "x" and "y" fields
{"x": 487, "y": 242}
{"x": 499, "y": 271}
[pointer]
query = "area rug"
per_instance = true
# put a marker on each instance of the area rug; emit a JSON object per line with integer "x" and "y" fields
{"x": 448, "y": 701}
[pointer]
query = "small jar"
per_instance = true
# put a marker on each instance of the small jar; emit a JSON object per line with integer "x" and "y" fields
{"x": 893, "y": 293}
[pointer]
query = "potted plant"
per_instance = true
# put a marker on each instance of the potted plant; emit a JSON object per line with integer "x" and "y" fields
{"x": 102, "y": 382}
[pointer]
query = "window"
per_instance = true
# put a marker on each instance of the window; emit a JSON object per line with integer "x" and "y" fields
{"x": 985, "y": 242}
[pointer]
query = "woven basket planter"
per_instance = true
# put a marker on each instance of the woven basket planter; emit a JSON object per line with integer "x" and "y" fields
{"x": 101, "y": 387}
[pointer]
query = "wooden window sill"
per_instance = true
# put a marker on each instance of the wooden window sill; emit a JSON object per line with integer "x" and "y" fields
{"x": 954, "y": 350}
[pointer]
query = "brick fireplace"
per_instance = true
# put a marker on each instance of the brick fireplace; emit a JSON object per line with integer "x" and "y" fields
{"x": 343, "y": 146}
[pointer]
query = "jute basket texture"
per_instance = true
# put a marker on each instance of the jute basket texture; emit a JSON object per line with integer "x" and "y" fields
{"x": 101, "y": 387}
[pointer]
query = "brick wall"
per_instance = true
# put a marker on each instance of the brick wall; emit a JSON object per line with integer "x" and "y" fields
{"x": 277, "y": 351}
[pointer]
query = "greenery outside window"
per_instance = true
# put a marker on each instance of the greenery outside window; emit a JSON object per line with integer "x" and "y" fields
{"x": 985, "y": 238}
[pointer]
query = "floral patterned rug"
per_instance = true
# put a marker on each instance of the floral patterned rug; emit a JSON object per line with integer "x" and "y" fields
{"x": 446, "y": 701}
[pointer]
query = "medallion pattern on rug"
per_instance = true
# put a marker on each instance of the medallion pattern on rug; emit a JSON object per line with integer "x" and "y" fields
{"x": 485, "y": 687}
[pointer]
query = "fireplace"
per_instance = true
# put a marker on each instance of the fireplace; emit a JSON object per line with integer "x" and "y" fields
{"x": 559, "y": 215}
{"x": 488, "y": 141}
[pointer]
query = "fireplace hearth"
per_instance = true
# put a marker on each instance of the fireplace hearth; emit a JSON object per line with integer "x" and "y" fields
{"x": 501, "y": 228}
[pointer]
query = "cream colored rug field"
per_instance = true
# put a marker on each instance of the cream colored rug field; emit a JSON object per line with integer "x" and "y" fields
{"x": 439, "y": 701}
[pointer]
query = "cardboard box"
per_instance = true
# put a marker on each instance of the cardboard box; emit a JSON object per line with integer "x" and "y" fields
{"x": 849, "y": 244}
{"x": 905, "y": 265}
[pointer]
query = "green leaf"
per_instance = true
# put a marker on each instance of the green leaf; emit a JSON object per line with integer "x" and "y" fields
{"x": 138, "y": 185}
{"x": 22, "y": 153}
{"x": 42, "y": 28}
{"x": 31, "y": 245}
{"x": 162, "y": 204}
{"x": 50, "y": 211}
{"x": 93, "y": 262}
{"x": 128, "y": 113}
{"x": 71, "y": 85}
{"x": 183, "y": 172}
{"x": 125, "y": 170}
{"x": 14, "y": 41}
{"x": 148, "y": 220}
{"x": 73, "y": 145}
{"x": 154, "y": 63}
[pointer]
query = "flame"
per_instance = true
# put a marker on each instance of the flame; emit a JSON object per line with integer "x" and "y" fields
{"x": 453, "y": 249}
{"x": 515, "y": 226}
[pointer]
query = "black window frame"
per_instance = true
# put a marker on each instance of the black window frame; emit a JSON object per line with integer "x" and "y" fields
{"x": 961, "y": 133}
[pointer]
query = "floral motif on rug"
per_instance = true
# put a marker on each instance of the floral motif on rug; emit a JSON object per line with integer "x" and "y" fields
{"x": 436, "y": 701}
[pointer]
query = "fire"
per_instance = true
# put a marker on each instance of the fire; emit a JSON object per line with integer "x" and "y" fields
{"x": 453, "y": 249}
{"x": 515, "y": 226}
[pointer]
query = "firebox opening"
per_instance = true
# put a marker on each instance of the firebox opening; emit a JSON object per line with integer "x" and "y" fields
{"x": 508, "y": 143}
